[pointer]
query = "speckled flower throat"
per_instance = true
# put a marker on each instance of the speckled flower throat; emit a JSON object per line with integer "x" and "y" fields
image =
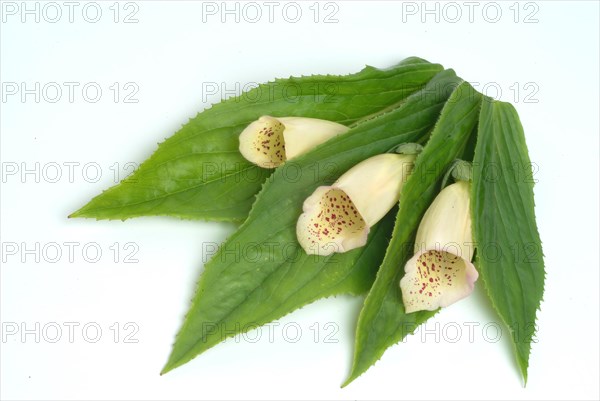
{"x": 269, "y": 141}
{"x": 437, "y": 272}
{"x": 338, "y": 217}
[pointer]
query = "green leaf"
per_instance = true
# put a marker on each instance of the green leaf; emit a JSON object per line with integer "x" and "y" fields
{"x": 199, "y": 173}
{"x": 261, "y": 273}
{"x": 509, "y": 250}
{"x": 382, "y": 321}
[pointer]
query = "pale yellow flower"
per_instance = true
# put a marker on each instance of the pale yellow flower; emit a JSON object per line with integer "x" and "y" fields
{"x": 270, "y": 141}
{"x": 441, "y": 273}
{"x": 338, "y": 218}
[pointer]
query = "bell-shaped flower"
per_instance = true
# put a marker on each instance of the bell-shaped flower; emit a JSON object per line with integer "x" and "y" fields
{"x": 269, "y": 141}
{"x": 441, "y": 273}
{"x": 338, "y": 218}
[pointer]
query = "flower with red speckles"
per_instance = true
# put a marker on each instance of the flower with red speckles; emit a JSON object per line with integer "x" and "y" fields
{"x": 441, "y": 273}
{"x": 269, "y": 141}
{"x": 338, "y": 218}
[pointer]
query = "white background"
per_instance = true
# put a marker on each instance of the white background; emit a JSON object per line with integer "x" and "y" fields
{"x": 173, "y": 57}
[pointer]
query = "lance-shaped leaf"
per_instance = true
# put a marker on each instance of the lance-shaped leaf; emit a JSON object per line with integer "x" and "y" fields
{"x": 509, "y": 251}
{"x": 261, "y": 273}
{"x": 383, "y": 320}
{"x": 199, "y": 172}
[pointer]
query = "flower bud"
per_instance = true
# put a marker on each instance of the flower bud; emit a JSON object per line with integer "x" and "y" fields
{"x": 338, "y": 218}
{"x": 441, "y": 273}
{"x": 270, "y": 141}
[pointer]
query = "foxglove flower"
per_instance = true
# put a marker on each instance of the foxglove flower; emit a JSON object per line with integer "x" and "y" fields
{"x": 269, "y": 141}
{"x": 338, "y": 218}
{"x": 441, "y": 273}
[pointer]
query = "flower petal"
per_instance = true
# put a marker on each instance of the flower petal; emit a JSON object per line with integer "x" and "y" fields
{"x": 262, "y": 142}
{"x": 436, "y": 278}
{"x": 374, "y": 185}
{"x": 446, "y": 225}
{"x": 330, "y": 223}
{"x": 303, "y": 134}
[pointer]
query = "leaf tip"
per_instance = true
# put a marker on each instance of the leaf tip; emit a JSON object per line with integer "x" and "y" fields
{"x": 355, "y": 373}
{"x": 523, "y": 366}
{"x": 169, "y": 366}
{"x": 75, "y": 214}
{"x": 349, "y": 380}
